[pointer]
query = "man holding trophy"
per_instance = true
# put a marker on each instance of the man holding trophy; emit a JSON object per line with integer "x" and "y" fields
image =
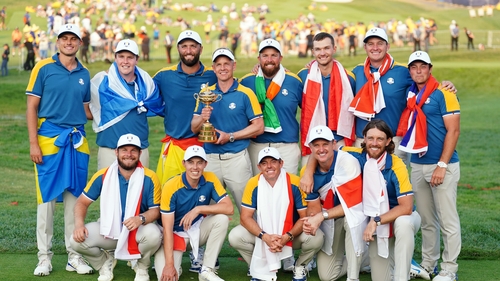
{"x": 237, "y": 117}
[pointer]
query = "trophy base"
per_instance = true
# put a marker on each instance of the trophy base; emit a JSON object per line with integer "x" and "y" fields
{"x": 207, "y": 133}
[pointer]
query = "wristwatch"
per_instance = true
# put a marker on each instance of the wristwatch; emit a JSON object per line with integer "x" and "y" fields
{"x": 231, "y": 137}
{"x": 143, "y": 219}
{"x": 441, "y": 164}
{"x": 261, "y": 234}
{"x": 377, "y": 220}
{"x": 325, "y": 215}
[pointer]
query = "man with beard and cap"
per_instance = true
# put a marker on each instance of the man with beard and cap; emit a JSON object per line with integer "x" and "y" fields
{"x": 129, "y": 207}
{"x": 190, "y": 220}
{"x": 57, "y": 109}
{"x": 177, "y": 84}
{"x": 280, "y": 94}
{"x": 388, "y": 201}
{"x": 121, "y": 100}
{"x": 431, "y": 127}
{"x": 271, "y": 224}
{"x": 237, "y": 117}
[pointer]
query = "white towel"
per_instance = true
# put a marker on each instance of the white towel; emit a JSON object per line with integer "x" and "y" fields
{"x": 376, "y": 200}
{"x": 193, "y": 234}
{"x": 111, "y": 210}
{"x": 327, "y": 226}
{"x": 272, "y": 207}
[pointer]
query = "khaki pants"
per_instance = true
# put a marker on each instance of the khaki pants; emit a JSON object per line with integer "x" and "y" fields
{"x": 438, "y": 208}
{"x": 337, "y": 265}
{"x": 106, "y": 156}
{"x": 45, "y": 226}
{"x": 148, "y": 237}
{"x": 244, "y": 242}
{"x": 213, "y": 230}
{"x": 289, "y": 152}
{"x": 397, "y": 266}
{"x": 233, "y": 170}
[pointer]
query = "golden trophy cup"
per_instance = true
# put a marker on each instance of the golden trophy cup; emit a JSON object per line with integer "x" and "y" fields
{"x": 207, "y": 97}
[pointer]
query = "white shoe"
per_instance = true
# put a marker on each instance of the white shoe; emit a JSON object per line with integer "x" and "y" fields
{"x": 288, "y": 264}
{"x": 79, "y": 265}
{"x": 417, "y": 271}
{"x": 106, "y": 271}
{"x": 141, "y": 274}
{"x": 299, "y": 273}
{"x": 208, "y": 274}
{"x": 445, "y": 275}
{"x": 43, "y": 268}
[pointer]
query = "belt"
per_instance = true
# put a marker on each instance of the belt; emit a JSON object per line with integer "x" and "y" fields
{"x": 226, "y": 156}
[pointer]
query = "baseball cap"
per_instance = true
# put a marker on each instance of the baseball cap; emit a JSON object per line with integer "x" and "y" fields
{"x": 195, "y": 151}
{"x": 419, "y": 56}
{"x": 70, "y": 28}
{"x": 222, "y": 52}
{"x": 189, "y": 34}
{"x": 376, "y": 32}
{"x": 129, "y": 139}
{"x": 127, "y": 45}
{"x": 270, "y": 43}
{"x": 269, "y": 152}
{"x": 320, "y": 132}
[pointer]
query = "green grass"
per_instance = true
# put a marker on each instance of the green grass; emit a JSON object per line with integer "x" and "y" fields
{"x": 474, "y": 74}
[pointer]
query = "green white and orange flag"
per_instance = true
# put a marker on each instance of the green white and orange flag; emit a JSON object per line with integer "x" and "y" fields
{"x": 265, "y": 97}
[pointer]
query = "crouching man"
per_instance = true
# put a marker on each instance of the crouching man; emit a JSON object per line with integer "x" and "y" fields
{"x": 129, "y": 207}
{"x": 188, "y": 219}
{"x": 278, "y": 202}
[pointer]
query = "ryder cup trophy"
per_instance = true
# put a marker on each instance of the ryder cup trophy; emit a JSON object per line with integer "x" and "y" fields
{"x": 207, "y": 97}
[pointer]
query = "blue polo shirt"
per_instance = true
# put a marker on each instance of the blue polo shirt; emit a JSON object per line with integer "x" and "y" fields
{"x": 439, "y": 104}
{"x": 62, "y": 92}
{"x": 132, "y": 123}
{"x": 395, "y": 84}
{"x": 395, "y": 175}
{"x": 177, "y": 89}
{"x": 178, "y": 197}
{"x": 150, "y": 194}
{"x": 326, "y": 91}
{"x": 234, "y": 112}
{"x": 322, "y": 178}
{"x": 286, "y": 103}
{"x": 249, "y": 199}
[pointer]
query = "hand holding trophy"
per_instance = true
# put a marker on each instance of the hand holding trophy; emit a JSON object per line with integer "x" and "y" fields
{"x": 207, "y": 97}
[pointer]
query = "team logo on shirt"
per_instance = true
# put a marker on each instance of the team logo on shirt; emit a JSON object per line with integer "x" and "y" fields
{"x": 232, "y": 106}
{"x": 202, "y": 198}
{"x": 428, "y": 100}
{"x": 285, "y": 92}
{"x": 390, "y": 80}
{"x": 80, "y": 81}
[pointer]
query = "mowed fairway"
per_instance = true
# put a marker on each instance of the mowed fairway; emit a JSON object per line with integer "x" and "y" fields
{"x": 475, "y": 74}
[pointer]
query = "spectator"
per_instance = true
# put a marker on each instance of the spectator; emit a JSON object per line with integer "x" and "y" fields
{"x": 17, "y": 36}
{"x": 3, "y": 16}
{"x": 470, "y": 39}
{"x": 5, "y": 59}
{"x": 169, "y": 41}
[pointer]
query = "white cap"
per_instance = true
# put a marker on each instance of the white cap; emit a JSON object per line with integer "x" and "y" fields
{"x": 127, "y": 45}
{"x": 376, "y": 32}
{"x": 270, "y": 43}
{"x": 269, "y": 152}
{"x": 419, "y": 56}
{"x": 189, "y": 34}
{"x": 195, "y": 151}
{"x": 70, "y": 28}
{"x": 222, "y": 52}
{"x": 129, "y": 139}
{"x": 320, "y": 132}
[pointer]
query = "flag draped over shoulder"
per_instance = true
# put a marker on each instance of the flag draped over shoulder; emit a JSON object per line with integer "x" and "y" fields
{"x": 111, "y": 98}
{"x": 370, "y": 98}
{"x": 413, "y": 123}
{"x": 111, "y": 224}
{"x": 265, "y": 97}
{"x": 314, "y": 113}
{"x": 64, "y": 163}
